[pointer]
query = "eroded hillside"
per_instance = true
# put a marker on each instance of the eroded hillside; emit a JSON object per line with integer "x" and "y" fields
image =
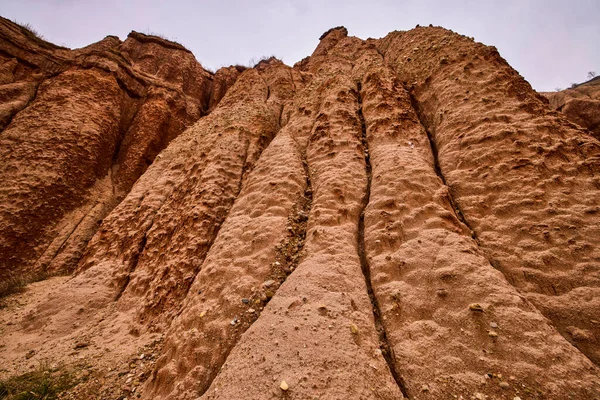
{"x": 390, "y": 218}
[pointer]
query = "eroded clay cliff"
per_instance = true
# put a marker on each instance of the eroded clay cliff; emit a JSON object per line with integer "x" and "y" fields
{"x": 390, "y": 218}
{"x": 78, "y": 128}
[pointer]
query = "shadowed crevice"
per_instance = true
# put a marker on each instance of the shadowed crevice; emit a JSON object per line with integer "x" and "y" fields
{"x": 386, "y": 349}
{"x": 31, "y": 100}
{"x": 217, "y": 225}
{"x": 134, "y": 262}
{"x": 456, "y": 209}
{"x": 436, "y": 166}
{"x": 263, "y": 142}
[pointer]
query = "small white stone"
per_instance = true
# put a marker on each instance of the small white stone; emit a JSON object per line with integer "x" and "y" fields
{"x": 284, "y": 386}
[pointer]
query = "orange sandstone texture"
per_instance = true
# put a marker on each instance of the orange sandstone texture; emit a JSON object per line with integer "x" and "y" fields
{"x": 393, "y": 218}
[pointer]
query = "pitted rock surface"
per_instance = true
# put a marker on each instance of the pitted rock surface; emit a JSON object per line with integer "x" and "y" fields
{"x": 402, "y": 217}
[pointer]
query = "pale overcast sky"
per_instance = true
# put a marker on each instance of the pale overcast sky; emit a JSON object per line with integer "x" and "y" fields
{"x": 552, "y": 43}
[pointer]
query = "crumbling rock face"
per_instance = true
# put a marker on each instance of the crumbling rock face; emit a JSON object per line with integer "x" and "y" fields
{"x": 393, "y": 218}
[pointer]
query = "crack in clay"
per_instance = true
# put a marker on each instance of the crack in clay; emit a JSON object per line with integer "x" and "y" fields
{"x": 134, "y": 261}
{"x": 289, "y": 250}
{"x": 62, "y": 246}
{"x": 244, "y": 173}
{"x": 386, "y": 349}
{"x": 218, "y": 225}
{"x": 245, "y": 170}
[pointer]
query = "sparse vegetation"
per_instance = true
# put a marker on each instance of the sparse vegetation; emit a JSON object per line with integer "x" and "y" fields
{"x": 42, "y": 384}
{"x": 11, "y": 286}
{"x": 160, "y": 35}
{"x": 590, "y": 75}
{"x": 29, "y": 28}
{"x": 254, "y": 62}
{"x": 151, "y": 36}
{"x": 16, "y": 284}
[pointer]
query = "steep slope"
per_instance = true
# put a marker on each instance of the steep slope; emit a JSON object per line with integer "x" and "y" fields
{"x": 393, "y": 218}
{"x": 79, "y": 128}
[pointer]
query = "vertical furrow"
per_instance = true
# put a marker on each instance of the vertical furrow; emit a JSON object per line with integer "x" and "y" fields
{"x": 226, "y": 293}
{"x": 438, "y": 170}
{"x": 133, "y": 263}
{"x": 387, "y": 350}
{"x": 450, "y": 316}
{"x": 5, "y": 120}
{"x": 201, "y": 203}
{"x": 218, "y": 224}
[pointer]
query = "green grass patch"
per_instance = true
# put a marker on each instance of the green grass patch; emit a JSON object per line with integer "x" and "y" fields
{"x": 41, "y": 384}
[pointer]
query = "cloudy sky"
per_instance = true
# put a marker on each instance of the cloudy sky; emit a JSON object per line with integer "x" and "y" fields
{"x": 552, "y": 43}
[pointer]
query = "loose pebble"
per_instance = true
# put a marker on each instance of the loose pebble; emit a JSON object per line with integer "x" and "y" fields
{"x": 284, "y": 386}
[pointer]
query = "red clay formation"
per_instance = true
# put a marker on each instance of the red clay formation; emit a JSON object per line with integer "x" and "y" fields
{"x": 394, "y": 218}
